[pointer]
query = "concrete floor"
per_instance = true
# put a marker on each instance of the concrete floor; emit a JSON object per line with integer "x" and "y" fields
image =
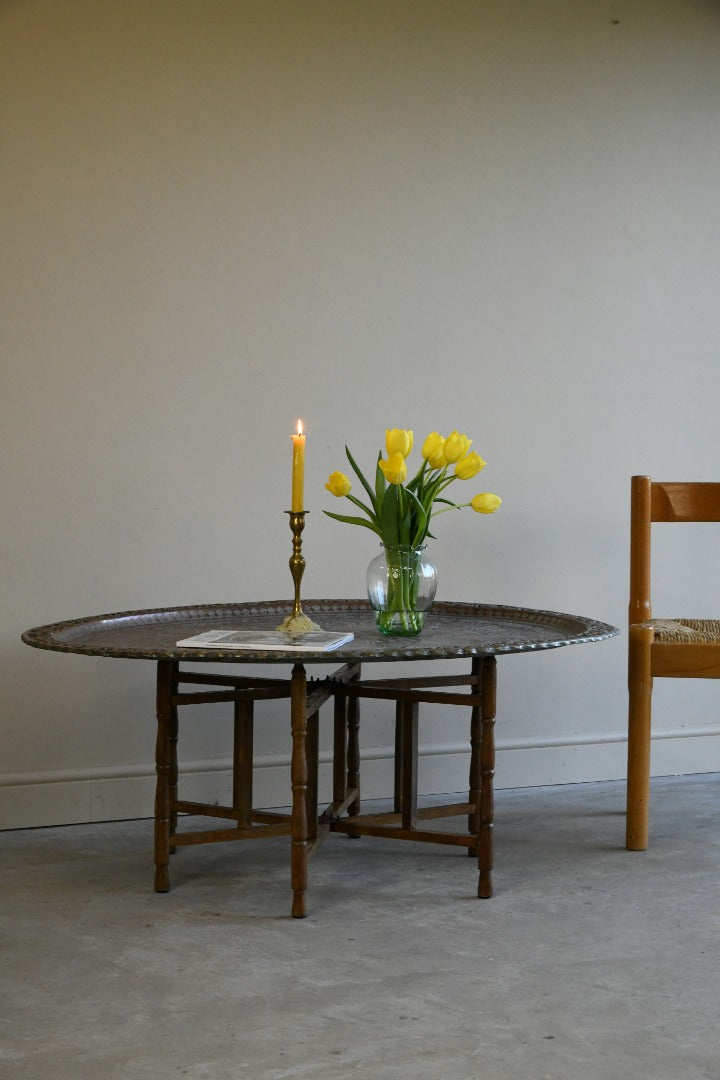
{"x": 589, "y": 962}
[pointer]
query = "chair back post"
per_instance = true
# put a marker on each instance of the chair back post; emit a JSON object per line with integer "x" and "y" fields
{"x": 640, "y": 522}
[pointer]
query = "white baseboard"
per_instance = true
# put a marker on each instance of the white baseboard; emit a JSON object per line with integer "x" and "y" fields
{"x": 36, "y": 799}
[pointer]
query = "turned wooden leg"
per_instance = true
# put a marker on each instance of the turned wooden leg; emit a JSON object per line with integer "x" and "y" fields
{"x": 243, "y": 762}
{"x": 298, "y": 780}
{"x": 487, "y": 773}
{"x": 640, "y": 685}
{"x": 313, "y": 760}
{"x": 398, "y": 779}
{"x": 339, "y": 749}
{"x": 166, "y": 769}
{"x": 475, "y": 739}
{"x": 353, "y": 751}
{"x": 409, "y": 742}
{"x": 173, "y": 777}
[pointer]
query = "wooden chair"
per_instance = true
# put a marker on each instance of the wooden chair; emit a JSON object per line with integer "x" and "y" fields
{"x": 669, "y": 648}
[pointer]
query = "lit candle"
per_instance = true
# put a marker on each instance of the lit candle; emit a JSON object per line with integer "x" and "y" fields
{"x": 298, "y": 469}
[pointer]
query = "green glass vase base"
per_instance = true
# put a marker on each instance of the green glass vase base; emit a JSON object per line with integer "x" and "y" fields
{"x": 399, "y": 623}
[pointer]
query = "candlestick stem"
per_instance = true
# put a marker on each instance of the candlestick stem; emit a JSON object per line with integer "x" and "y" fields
{"x": 297, "y": 622}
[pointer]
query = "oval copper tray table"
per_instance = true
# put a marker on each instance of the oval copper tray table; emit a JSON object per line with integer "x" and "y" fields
{"x": 452, "y": 631}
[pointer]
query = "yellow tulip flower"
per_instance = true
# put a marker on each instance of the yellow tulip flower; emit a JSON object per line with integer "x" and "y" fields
{"x": 469, "y": 466}
{"x": 485, "y": 502}
{"x": 394, "y": 468}
{"x": 432, "y": 450}
{"x": 456, "y": 446}
{"x": 338, "y": 484}
{"x": 398, "y": 441}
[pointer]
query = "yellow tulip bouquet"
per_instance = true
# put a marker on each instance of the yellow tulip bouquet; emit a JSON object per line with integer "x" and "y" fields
{"x": 400, "y": 512}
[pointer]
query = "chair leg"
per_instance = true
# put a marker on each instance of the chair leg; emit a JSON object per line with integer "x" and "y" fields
{"x": 640, "y": 684}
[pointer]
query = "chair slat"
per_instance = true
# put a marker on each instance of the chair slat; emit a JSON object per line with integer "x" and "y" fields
{"x": 685, "y": 502}
{"x": 677, "y": 661}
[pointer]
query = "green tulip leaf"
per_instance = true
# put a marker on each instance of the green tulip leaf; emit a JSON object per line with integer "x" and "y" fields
{"x": 361, "y": 506}
{"x": 380, "y": 484}
{"x": 420, "y": 517}
{"x": 358, "y": 472}
{"x": 389, "y": 517}
{"x": 352, "y": 521}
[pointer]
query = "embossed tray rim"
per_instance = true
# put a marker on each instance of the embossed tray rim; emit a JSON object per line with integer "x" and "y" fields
{"x": 453, "y": 630}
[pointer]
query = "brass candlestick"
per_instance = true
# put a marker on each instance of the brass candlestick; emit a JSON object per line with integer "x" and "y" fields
{"x": 297, "y": 623}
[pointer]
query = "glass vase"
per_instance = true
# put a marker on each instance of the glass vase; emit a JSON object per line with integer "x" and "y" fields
{"x": 401, "y": 584}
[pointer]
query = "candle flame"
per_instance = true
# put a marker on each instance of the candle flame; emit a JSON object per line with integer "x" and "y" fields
{"x": 299, "y": 427}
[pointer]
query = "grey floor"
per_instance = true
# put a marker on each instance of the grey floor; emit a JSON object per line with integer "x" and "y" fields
{"x": 589, "y": 962}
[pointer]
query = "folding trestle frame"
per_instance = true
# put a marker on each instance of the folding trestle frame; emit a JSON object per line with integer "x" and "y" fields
{"x": 306, "y": 827}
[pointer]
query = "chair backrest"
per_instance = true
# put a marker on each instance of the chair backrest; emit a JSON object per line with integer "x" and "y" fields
{"x": 653, "y": 501}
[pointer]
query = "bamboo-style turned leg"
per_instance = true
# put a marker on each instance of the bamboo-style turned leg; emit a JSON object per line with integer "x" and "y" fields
{"x": 339, "y": 749}
{"x": 353, "y": 751}
{"x": 312, "y": 751}
{"x": 475, "y": 742}
{"x": 298, "y": 780}
{"x": 173, "y": 777}
{"x": 243, "y": 762}
{"x": 398, "y": 787}
{"x": 166, "y": 769}
{"x": 487, "y": 773}
{"x": 409, "y": 741}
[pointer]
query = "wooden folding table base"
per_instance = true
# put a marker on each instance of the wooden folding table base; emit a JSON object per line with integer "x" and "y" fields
{"x": 305, "y": 827}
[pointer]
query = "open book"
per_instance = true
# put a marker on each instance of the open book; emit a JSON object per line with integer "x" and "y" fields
{"x": 266, "y": 640}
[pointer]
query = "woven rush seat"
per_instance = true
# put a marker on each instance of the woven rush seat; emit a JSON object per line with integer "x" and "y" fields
{"x": 695, "y": 631}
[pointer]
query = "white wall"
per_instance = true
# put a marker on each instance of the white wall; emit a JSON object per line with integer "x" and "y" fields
{"x": 219, "y": 215}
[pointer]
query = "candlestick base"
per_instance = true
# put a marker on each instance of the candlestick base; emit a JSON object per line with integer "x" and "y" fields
{"x": 297, "y": 623}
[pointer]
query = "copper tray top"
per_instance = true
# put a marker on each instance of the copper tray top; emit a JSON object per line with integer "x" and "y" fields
{"x": 452, "y": 630}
